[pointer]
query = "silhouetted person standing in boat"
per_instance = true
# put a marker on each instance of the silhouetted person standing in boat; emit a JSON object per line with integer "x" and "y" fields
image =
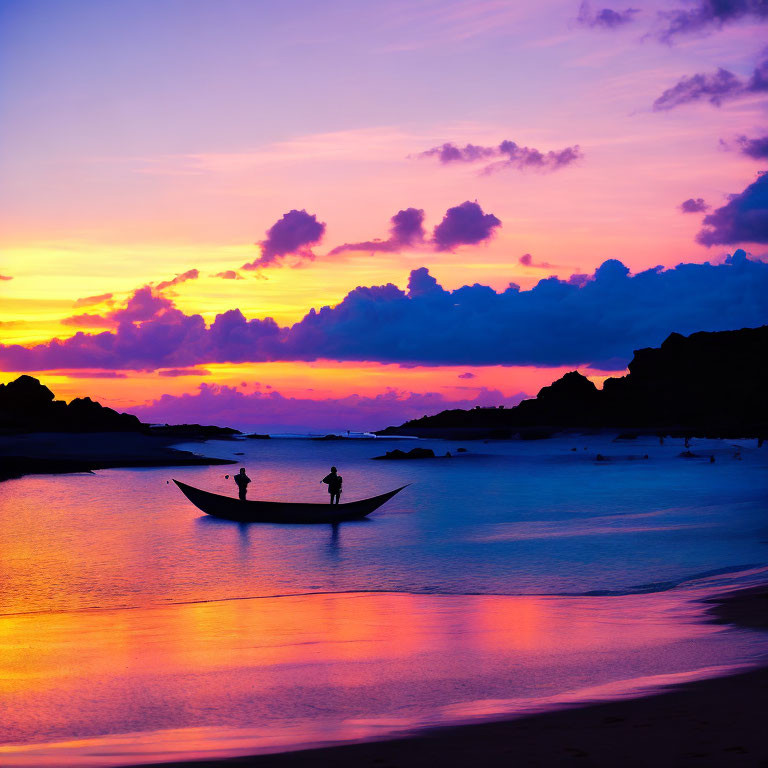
{"x": 334, "y": 482}
{"x": 242, "y": 481}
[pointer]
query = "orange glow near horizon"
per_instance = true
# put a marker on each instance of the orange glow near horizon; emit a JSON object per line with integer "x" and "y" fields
{"x": 314, "y": 381}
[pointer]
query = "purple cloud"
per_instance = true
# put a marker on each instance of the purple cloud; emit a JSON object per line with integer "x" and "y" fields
{"x": 714, "y": 88}
{"x": 743, "y": 219}
{"x": 527, "y": 261}
{"x": 190, "y": 274}
{"x": 143, "y": 304}
{"x": 89, "y": 301}
{"x": 274, "y": 412}
{"x": 87, "y": 320}
{"x": 406, "y": 231}
{"x": 605, "y": 18}
{"x": 464, "y": 224}
{"x": 706, "y": 15}
{"x": 592, "y": 320}
{"x": 175, "y": 372}
{"x": 94, "y": 374}
{"x": 293, "y": 234}
{"x": 512, "y": 156}
{"x": 757, "y": 148}
{"x": 229, "y": 274}
{"x": 450, "y": 153}
{"x": 694, "y": 205}
{"x": 467, "y": 375}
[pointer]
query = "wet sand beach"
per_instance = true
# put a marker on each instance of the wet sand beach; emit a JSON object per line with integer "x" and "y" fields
{"x": 712, "y": 723}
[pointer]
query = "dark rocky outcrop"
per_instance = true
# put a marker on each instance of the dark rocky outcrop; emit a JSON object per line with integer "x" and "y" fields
{"x": 26, "y": 405}
{"x": 414, "y": 453}
{"x": 707, "y": 384}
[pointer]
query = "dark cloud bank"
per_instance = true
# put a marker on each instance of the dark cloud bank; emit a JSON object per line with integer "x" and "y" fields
{"x": 598, "y": 319}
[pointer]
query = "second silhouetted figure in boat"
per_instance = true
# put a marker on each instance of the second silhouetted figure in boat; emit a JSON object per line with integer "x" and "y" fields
{"x": 242, "y": 481}
{"x": 334, "y": 482}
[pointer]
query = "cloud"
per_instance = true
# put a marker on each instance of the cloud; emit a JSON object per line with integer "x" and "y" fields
{"x": 450, "y": 153}
{"x": 293, "y": 234}
{"x": 595, "y": 319}
{"x": 527, "y": 261}
{"x": 94, "y": 374}
{"x": 467, "y": 375}
{"x": 692, "y": 205}
{"x": 511, "y": 155}
{"x": 274, "y": 412}
{"x": 89, "y": 301}
{"x": 714, "y": 88}
{"x": 87, "y": 320}
{"x": 743, "y": 219}
{"x": 707, "y": 15}
{"x": 143, "y": 304}
{"x": 406, "y": 231}
{"x": 605, "y": 18}
{"x": 757, "y": 148}
{"x": 175, "y": 372}
{"x": 190, "y": 274}
{"x": 464, "y": 224}
{"x": 5, "y": 277}
{"x": 229, "y": 274}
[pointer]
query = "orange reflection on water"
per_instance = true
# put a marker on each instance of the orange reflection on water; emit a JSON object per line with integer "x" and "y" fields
{"x": 288, "y": 663}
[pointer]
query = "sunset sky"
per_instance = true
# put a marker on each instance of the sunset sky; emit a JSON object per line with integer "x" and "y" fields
{"x": 167, "y": 162}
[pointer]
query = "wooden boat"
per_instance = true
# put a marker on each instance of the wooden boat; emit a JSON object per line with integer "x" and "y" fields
{"x": 281, "y": 512}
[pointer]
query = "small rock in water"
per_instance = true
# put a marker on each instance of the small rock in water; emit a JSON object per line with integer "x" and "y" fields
{"x": 414, "y": 453}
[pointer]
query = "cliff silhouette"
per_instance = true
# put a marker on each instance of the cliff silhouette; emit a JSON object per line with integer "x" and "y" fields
{"x": 26, "y": 405}
{"x": 39, "y": 434}
{"x": 708, "y": 384}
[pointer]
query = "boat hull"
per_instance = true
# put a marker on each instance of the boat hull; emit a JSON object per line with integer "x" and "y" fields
{"x": 228, "y": 508}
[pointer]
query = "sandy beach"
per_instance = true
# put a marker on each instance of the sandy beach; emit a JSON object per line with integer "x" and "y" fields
{"x": 718, "y": 722}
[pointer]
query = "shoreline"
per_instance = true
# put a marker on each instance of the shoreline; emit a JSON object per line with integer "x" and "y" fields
{"x": 46, "y": 453}
{"x": 712, "y": 722}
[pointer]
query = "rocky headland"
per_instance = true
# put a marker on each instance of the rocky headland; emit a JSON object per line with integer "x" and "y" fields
{"x": 703, "y": 385}
{"x": 39, "y": 434}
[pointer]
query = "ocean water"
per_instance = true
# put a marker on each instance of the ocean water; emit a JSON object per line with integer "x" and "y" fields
{"x": 504, "y": 579}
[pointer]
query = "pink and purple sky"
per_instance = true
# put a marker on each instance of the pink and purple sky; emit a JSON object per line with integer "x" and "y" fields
{"x": 342, "y": 214}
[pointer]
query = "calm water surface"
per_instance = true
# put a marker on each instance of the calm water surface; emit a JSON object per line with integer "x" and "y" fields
{"x": 502, "y": 579}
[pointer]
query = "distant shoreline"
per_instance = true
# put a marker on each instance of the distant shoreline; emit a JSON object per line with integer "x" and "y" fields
{"x": 713, "y": 723}
{"x": 67, "y": 452}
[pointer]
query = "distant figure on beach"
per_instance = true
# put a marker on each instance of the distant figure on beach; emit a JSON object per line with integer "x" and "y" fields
{"x": 242, "y": 481}
{"x": 334, "y": 482}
